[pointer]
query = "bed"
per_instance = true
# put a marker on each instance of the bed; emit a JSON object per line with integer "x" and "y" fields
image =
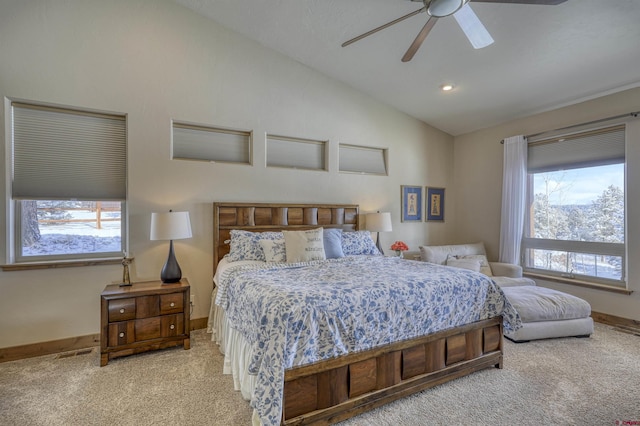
{"x": 319, "y": 341}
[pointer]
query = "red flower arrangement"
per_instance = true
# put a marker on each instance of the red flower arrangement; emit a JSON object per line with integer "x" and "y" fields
{"x": 399, "y": 247}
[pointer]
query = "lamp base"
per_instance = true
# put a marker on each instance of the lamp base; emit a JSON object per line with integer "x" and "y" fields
{"x": 171, "y": 272}
{"x": 378, "y": 244}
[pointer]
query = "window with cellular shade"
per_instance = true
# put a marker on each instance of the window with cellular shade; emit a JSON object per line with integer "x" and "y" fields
{"x": 363, "y": 159}
{"x": 61, "y": 153}
{"x": 575, "y": 221}
{"x": 204, "y": 143}
{"x": 296, "y": 153}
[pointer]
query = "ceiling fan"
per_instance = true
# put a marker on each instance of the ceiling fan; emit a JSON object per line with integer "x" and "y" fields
{"x": 461, "y": 11}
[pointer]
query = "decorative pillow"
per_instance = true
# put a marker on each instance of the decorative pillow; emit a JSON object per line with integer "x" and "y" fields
{"x": 304, "y": 246}
{"x": 332, "y": 240}
{"x": 471, "y": 264}
{"x": 357, "y": 243}
{"x": 245, "y": 245}
{"x": 484, "y": 264}
{"x": 274, "y": 250}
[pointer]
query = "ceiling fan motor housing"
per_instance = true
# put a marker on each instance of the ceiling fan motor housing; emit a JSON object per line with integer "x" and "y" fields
{"x": 442, "y": 8}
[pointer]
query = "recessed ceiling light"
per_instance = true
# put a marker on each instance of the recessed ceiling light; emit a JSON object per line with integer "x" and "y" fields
{"x": 447, "y": 87}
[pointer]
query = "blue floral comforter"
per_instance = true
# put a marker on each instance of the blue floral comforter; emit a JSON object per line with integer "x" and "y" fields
{"x": 295, "y": 314}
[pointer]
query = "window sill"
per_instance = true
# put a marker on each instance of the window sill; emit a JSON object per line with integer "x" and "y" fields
{"x": 579, "y": 283}
{"x": 60, "y": 264}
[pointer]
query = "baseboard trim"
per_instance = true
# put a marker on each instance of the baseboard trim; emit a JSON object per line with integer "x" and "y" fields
{"x": 47, "y": 348}
{"x": 199, "y": 323}
{"x": 615, "y": 320}
{"x": 15, "y": 353}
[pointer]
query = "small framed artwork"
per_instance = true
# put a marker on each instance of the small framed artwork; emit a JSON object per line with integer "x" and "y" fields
{"x": 435, "y": 204}
{"x": 411, "y": 203}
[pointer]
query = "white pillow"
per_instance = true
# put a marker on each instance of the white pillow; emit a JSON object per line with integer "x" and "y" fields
{"x": 274, "y": 250}
{"x": 304, "y": 246}
{"x": 484, "y": 264}
{"x": 471, "y": 264}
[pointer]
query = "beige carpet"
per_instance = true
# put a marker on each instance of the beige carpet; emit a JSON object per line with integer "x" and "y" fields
{"x": 593, "y": 381}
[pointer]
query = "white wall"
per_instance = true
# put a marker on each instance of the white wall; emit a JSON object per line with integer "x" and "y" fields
{"x": 478, "y": 179}
{"x": 156, "y": 61}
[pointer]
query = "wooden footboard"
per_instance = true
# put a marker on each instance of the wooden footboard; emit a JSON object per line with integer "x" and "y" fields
{"x": 334, "y": 390}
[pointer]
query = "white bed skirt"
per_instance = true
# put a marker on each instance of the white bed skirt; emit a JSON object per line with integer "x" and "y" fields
{"x": 236, "y": 351}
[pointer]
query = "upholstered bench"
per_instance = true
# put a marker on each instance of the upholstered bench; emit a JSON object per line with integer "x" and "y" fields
{"x": 548, "y": 313}
{"x": 545, "y": 313}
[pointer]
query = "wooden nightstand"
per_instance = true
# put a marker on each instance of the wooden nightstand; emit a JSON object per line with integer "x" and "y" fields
{"x": 143, "y": 317}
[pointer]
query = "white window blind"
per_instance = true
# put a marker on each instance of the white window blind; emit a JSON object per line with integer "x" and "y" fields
{"x": 363, "y": 159}
{"x": 296, "y": 153}
{"x": 67, "y": 154}
{"x": 586, "y": 149}
{"x": 203, "y": 143}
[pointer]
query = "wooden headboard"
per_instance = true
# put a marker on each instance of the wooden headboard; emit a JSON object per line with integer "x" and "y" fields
{"x": 261, "y": 217}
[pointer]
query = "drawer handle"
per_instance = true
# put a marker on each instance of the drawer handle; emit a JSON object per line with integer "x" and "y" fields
{"x": 172, "y": 326}
{"x": 172, "y": 304}
{"x": 122, "y": 310}
{"x": 121, "y": 335}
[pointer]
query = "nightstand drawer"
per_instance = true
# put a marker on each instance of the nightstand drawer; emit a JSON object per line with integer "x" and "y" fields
{"x": 171, "y": 303}
{"x": 126, "y": 332}
{"x": 172, "y": 325}
{"x": 147, "y": 329}
{"x": 122, "y": 333}
{"x": 147, "y": 306}
{"x": 122, "y": 309}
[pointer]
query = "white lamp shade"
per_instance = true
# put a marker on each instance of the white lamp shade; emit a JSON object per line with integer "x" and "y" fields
{"x": 379, "y": 222}
{"x": 170, "y": 226}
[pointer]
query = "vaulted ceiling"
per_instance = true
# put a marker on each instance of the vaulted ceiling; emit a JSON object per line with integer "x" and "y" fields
{"x": 543, "y": 57}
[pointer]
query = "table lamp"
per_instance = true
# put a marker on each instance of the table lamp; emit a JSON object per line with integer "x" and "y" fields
{"x": 170, "y": 226}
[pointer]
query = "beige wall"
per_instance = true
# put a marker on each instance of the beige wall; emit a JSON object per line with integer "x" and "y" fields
{"x": 478, "y": 183}
{"x": 156, "y": 61}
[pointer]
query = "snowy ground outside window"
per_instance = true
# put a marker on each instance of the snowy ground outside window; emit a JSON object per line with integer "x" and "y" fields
{"x": 77, "y": 238}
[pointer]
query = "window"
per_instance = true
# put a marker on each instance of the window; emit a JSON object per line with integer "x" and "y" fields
{"x": 68, "y": 183}
{"x": 296, "y": 153}
{"x": 363, "y": 159}
{"x": 576, "y": 222}
{"x": 203, "y": 143}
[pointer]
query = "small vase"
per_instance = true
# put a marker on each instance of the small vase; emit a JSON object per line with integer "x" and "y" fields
{"x": 399, "y": 253}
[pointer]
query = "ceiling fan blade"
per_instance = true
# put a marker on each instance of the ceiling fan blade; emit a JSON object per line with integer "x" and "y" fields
{"x": 473, "y": 28}
{"x": 542, "y": 2}
{"x": 419, "y": 39}
{"x": 382, "y": 27}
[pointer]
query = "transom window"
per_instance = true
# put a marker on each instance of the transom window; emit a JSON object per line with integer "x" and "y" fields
{"x": 363, "y": 160}
{"x": 207, "y": 143}
{"x": 296, "y": 153}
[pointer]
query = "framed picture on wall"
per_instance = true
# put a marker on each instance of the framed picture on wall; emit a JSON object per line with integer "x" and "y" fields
{"x": 435, "y": 204}
{"x": 411, "y": 203}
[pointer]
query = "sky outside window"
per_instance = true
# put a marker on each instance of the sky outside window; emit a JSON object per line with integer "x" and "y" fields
{"x": 579, "y": 186}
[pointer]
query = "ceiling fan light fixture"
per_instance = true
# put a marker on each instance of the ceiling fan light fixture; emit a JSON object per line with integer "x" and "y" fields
{"x": 447, "y": 87}
{"x": 442, "y": 8}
